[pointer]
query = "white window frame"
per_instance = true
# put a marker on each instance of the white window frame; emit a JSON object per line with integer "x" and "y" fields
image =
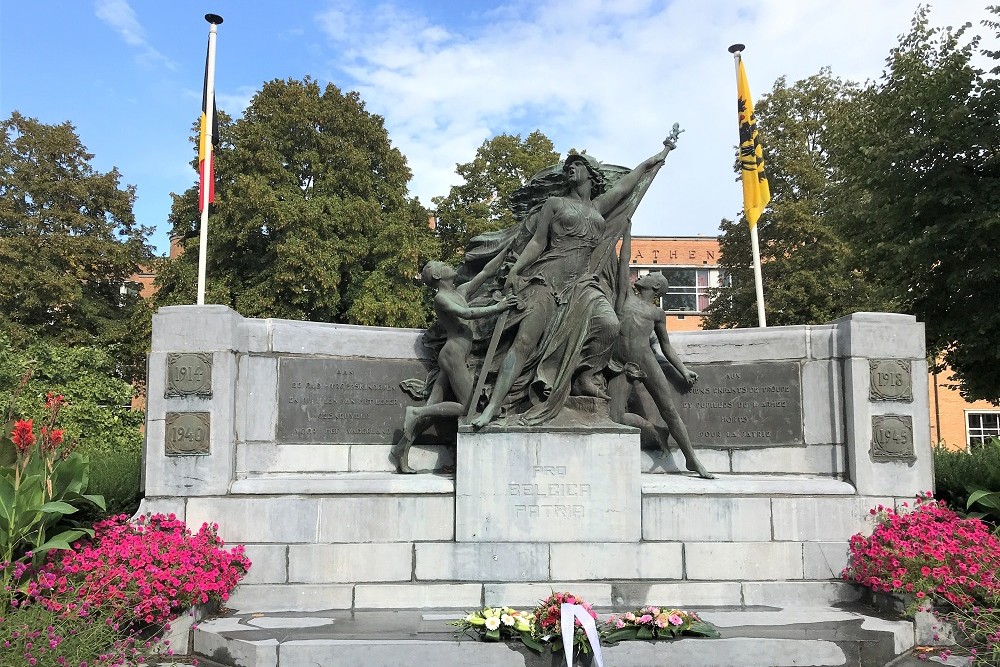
{"x": 980, "y": 434}
{"x": 715, "y": 272}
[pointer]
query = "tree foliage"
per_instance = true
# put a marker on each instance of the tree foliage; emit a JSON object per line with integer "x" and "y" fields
{"x": 807, "y": 268}
{"x": 482, "y": 203}
{"x": 919, "y": 153}
{"x": 311, "y": 218}
{"x": 68, "y": 244}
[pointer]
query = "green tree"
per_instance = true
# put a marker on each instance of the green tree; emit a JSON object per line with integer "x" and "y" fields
{"x": 311, "y": 219}
{"x": 482, "y": 203}
{"x": 807, "y": 268}
{"x": 68, "y": 244}
{"x": 919, "y": 154}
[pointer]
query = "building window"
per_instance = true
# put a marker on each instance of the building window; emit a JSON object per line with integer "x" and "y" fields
{"x": 688, "y": 286}
{"x": 981, "y": 426}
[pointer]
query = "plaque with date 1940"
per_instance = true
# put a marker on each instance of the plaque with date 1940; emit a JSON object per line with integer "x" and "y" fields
{"x": 187, "y": 433}
{"x": 343, "y": 400}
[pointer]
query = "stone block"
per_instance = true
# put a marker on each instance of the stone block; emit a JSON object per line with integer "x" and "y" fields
{"x": 290, "y": 597}
{"x": 706, "y": 519}
{"x": 269, "y": 564}
{"x": 396, "y": 652}
{"x": 799, "y": 593}
{"x": 752, "y": 561}
{"x": 482, "y": 561}
{"x": 269, "y": 457}
{"x": 241, "y": 519}
{"x": 417, "y": 596}
{"x": 241, "y": 653}
{"x": 823, "y": 402}
{"x": 528, "y": 595}
{"x": 829, "y": 460}
{"x": 257, "y": 398}
{"x": 195, "y": 328}
{"x": 823, "y": 519}
{"x": 521, "y": 485}
{"x": 823, "y": 342}
{"x": 349, "y": 563}
{"x": 740, "y": 345}
{"x": 320, "y": 338}
{"x": 684, "y": 594}
{"x": 653, "y": 461}
{"x": 744, "y": 485}
{"x": 824, "y": 560}
{"x": 253, "y": 336}
{"x": 375, "y": 458}
{"x": 574, "y": 561}
{"x": 386, "y": 519}
{"x": 885, "y": 335}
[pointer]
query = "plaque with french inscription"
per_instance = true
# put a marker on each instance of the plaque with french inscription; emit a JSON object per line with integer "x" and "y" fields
{"x": 187, "y": 433}
{"x": 892, "y": 438}
{"x": 891, "y": 380}
{"x": 344, "y": 400}
{"x": 189, "y": 374}
{"x": 741, "y": 405}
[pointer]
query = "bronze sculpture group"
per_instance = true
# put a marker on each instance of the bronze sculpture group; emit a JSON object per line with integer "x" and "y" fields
{"x": 543, "y": 313}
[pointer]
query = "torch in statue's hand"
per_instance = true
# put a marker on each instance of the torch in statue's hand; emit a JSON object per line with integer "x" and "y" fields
{"x": 671, "y": 141}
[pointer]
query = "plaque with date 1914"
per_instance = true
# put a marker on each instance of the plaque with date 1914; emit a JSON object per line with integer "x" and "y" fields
{"x": 892, "y": 438}
{"x": 189, "y": 374}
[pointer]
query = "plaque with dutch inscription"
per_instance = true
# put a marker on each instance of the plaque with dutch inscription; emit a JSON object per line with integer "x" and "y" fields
{"x": 891, "y": 380}
{"x": 742, "y": 405}
{"x": 892, "y": 438}
{"x": 189, "y": 374}
{"x": 187, "y": 433}
{"x": 345, "y": 400}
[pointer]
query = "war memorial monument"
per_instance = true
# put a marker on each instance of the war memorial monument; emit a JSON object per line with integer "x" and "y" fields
{"x": 543, "y": 433}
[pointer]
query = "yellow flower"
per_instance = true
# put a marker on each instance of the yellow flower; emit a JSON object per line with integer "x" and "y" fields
{"x": 474, "y": 619}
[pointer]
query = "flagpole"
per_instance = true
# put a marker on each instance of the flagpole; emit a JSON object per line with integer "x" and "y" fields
{"x": 206, "y": 165}
{"x": 736, "y": 50}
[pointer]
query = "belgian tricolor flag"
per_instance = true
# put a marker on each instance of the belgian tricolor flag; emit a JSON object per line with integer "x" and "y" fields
{"x": 206, "y": 157}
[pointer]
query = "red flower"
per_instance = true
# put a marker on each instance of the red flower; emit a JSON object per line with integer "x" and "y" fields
{"x": 53, "y": 400}
{"x": 23, "y": 435}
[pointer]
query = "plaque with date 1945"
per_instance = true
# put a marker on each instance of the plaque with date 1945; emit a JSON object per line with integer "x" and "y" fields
{"x": 892, "y": 438}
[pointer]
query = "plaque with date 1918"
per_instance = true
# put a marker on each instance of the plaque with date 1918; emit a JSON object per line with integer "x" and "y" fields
{"x": 187, "y": 433}
{"x": 343, "y": 400}
{"x": 892, "y": 438}
{"x": 890, "y": 380}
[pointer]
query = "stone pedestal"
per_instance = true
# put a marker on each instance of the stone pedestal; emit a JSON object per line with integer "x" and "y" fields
{"x": 555, "y": 485}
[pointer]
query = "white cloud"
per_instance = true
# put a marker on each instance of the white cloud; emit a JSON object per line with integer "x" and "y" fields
{"x": 120, "y": 16}
{"x": 610, "y": 76}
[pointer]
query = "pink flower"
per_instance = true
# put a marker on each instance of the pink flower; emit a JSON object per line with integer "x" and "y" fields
{"x": 674, "y": 619}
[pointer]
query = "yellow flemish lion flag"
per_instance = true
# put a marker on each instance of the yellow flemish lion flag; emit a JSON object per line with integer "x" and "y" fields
{"x": 756, "y": 192}
{"x": 206, "y": 158}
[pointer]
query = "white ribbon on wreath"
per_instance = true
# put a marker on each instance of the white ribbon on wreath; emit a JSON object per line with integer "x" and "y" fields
{"x": 569, "y": 613}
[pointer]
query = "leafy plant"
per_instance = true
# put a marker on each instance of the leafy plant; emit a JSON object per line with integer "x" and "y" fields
{"x": 989, "y": 501}
{"x": 929, "y": 552}
{"x": 959, "y": 473}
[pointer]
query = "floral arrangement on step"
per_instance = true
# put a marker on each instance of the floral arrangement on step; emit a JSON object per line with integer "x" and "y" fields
{"x": 542, "y": 627}
{"x": 655, "y": 623}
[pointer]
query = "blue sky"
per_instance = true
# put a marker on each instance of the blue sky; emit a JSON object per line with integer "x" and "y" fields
{"x": 608, "y": 76}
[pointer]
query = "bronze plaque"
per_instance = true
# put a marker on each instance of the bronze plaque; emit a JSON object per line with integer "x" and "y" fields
{"x": 741, "y": 405}
{"x": 189, "y": 374}
{"x": 890, "y": 380}
{"x": 344, "y": 400}
{"x": 187, "y": 433}
{"x": 892, "y": 438}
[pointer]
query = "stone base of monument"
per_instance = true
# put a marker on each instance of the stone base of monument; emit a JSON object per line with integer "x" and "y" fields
{"x": 756, "y": 637}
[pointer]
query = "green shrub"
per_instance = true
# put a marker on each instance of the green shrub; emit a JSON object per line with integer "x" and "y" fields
{"x": 958, "y": 473}
{"x": 97, "y": 416}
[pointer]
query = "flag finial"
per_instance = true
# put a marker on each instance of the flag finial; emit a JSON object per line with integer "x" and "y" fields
{"x": 214, "y": 19}
{"x": 735, "y": 48}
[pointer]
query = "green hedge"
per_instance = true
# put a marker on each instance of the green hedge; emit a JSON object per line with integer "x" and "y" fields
{"x": 957, "y": 473}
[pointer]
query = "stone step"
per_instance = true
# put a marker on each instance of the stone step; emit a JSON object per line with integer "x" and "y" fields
{"x": 760, "y": 637}
{"x": 299, "y": 597}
